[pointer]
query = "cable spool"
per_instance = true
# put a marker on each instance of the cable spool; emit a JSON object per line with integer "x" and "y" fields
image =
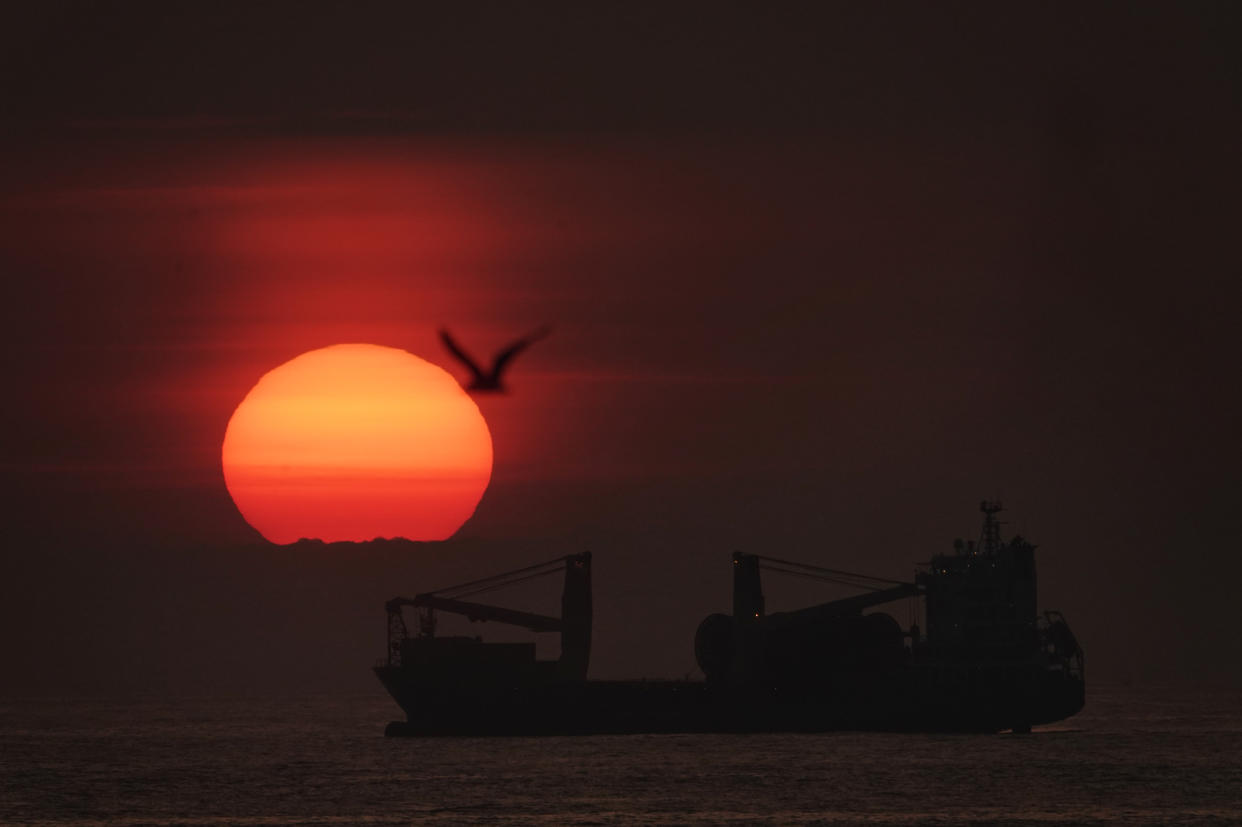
{"x": 714, "y": 645}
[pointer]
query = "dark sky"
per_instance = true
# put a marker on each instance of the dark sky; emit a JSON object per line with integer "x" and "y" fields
{"x": 821, "y": 278}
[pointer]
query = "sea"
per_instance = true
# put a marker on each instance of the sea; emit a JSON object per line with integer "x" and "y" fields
{"x": 1133, "y": 756}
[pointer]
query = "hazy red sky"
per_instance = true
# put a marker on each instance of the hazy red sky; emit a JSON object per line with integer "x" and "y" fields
{"x": 819, "y": 281}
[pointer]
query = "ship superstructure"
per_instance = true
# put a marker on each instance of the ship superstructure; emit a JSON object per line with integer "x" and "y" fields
{"x": 987, "y": 660}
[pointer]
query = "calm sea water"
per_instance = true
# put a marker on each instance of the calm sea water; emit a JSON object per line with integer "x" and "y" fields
{"x": 1132, "y": 757}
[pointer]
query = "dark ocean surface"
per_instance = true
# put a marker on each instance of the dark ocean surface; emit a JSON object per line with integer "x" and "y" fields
{"x": 1134, "y": 756}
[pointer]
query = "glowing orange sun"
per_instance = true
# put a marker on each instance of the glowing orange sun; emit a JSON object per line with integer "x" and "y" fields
{"x": 354, "y": 442}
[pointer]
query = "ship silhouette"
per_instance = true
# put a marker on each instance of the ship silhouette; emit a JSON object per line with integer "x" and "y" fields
{"x": 988, "y": 660}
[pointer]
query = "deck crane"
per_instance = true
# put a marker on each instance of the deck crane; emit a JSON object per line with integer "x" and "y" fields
{"x": 574, "y": 624}
{"x": 754, "y": 646}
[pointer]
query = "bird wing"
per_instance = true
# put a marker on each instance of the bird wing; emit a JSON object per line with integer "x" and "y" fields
{"x": 461, "y": 355}
{"x": 505, "y": 356}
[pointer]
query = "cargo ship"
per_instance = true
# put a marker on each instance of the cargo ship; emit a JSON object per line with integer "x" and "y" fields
{"x": 987, "y": 661}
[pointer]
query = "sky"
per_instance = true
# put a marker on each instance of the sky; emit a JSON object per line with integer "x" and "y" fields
{"x": 819, "y": 278}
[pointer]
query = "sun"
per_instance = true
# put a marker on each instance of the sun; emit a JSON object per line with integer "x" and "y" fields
{"x": 355, "y": 442}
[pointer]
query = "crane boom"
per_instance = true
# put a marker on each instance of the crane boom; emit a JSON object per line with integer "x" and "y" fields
{"x": 844, "y": 606}
{"x": 481, "y": 612}
{"x": 748, "y": 602}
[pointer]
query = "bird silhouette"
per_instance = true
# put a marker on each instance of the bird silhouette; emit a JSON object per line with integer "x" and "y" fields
{"x": 490, "y": 382}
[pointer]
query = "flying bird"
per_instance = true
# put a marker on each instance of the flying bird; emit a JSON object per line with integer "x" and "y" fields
{"x": 490, "y": 382}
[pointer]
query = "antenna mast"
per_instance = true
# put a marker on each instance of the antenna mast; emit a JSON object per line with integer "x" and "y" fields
{"x": 991, "y": 540}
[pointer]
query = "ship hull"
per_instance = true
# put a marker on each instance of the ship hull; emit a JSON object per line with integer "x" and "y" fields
{"x": 970, "y": 699}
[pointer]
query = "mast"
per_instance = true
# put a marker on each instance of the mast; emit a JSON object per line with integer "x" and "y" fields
{"x": 990, "y": 542}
